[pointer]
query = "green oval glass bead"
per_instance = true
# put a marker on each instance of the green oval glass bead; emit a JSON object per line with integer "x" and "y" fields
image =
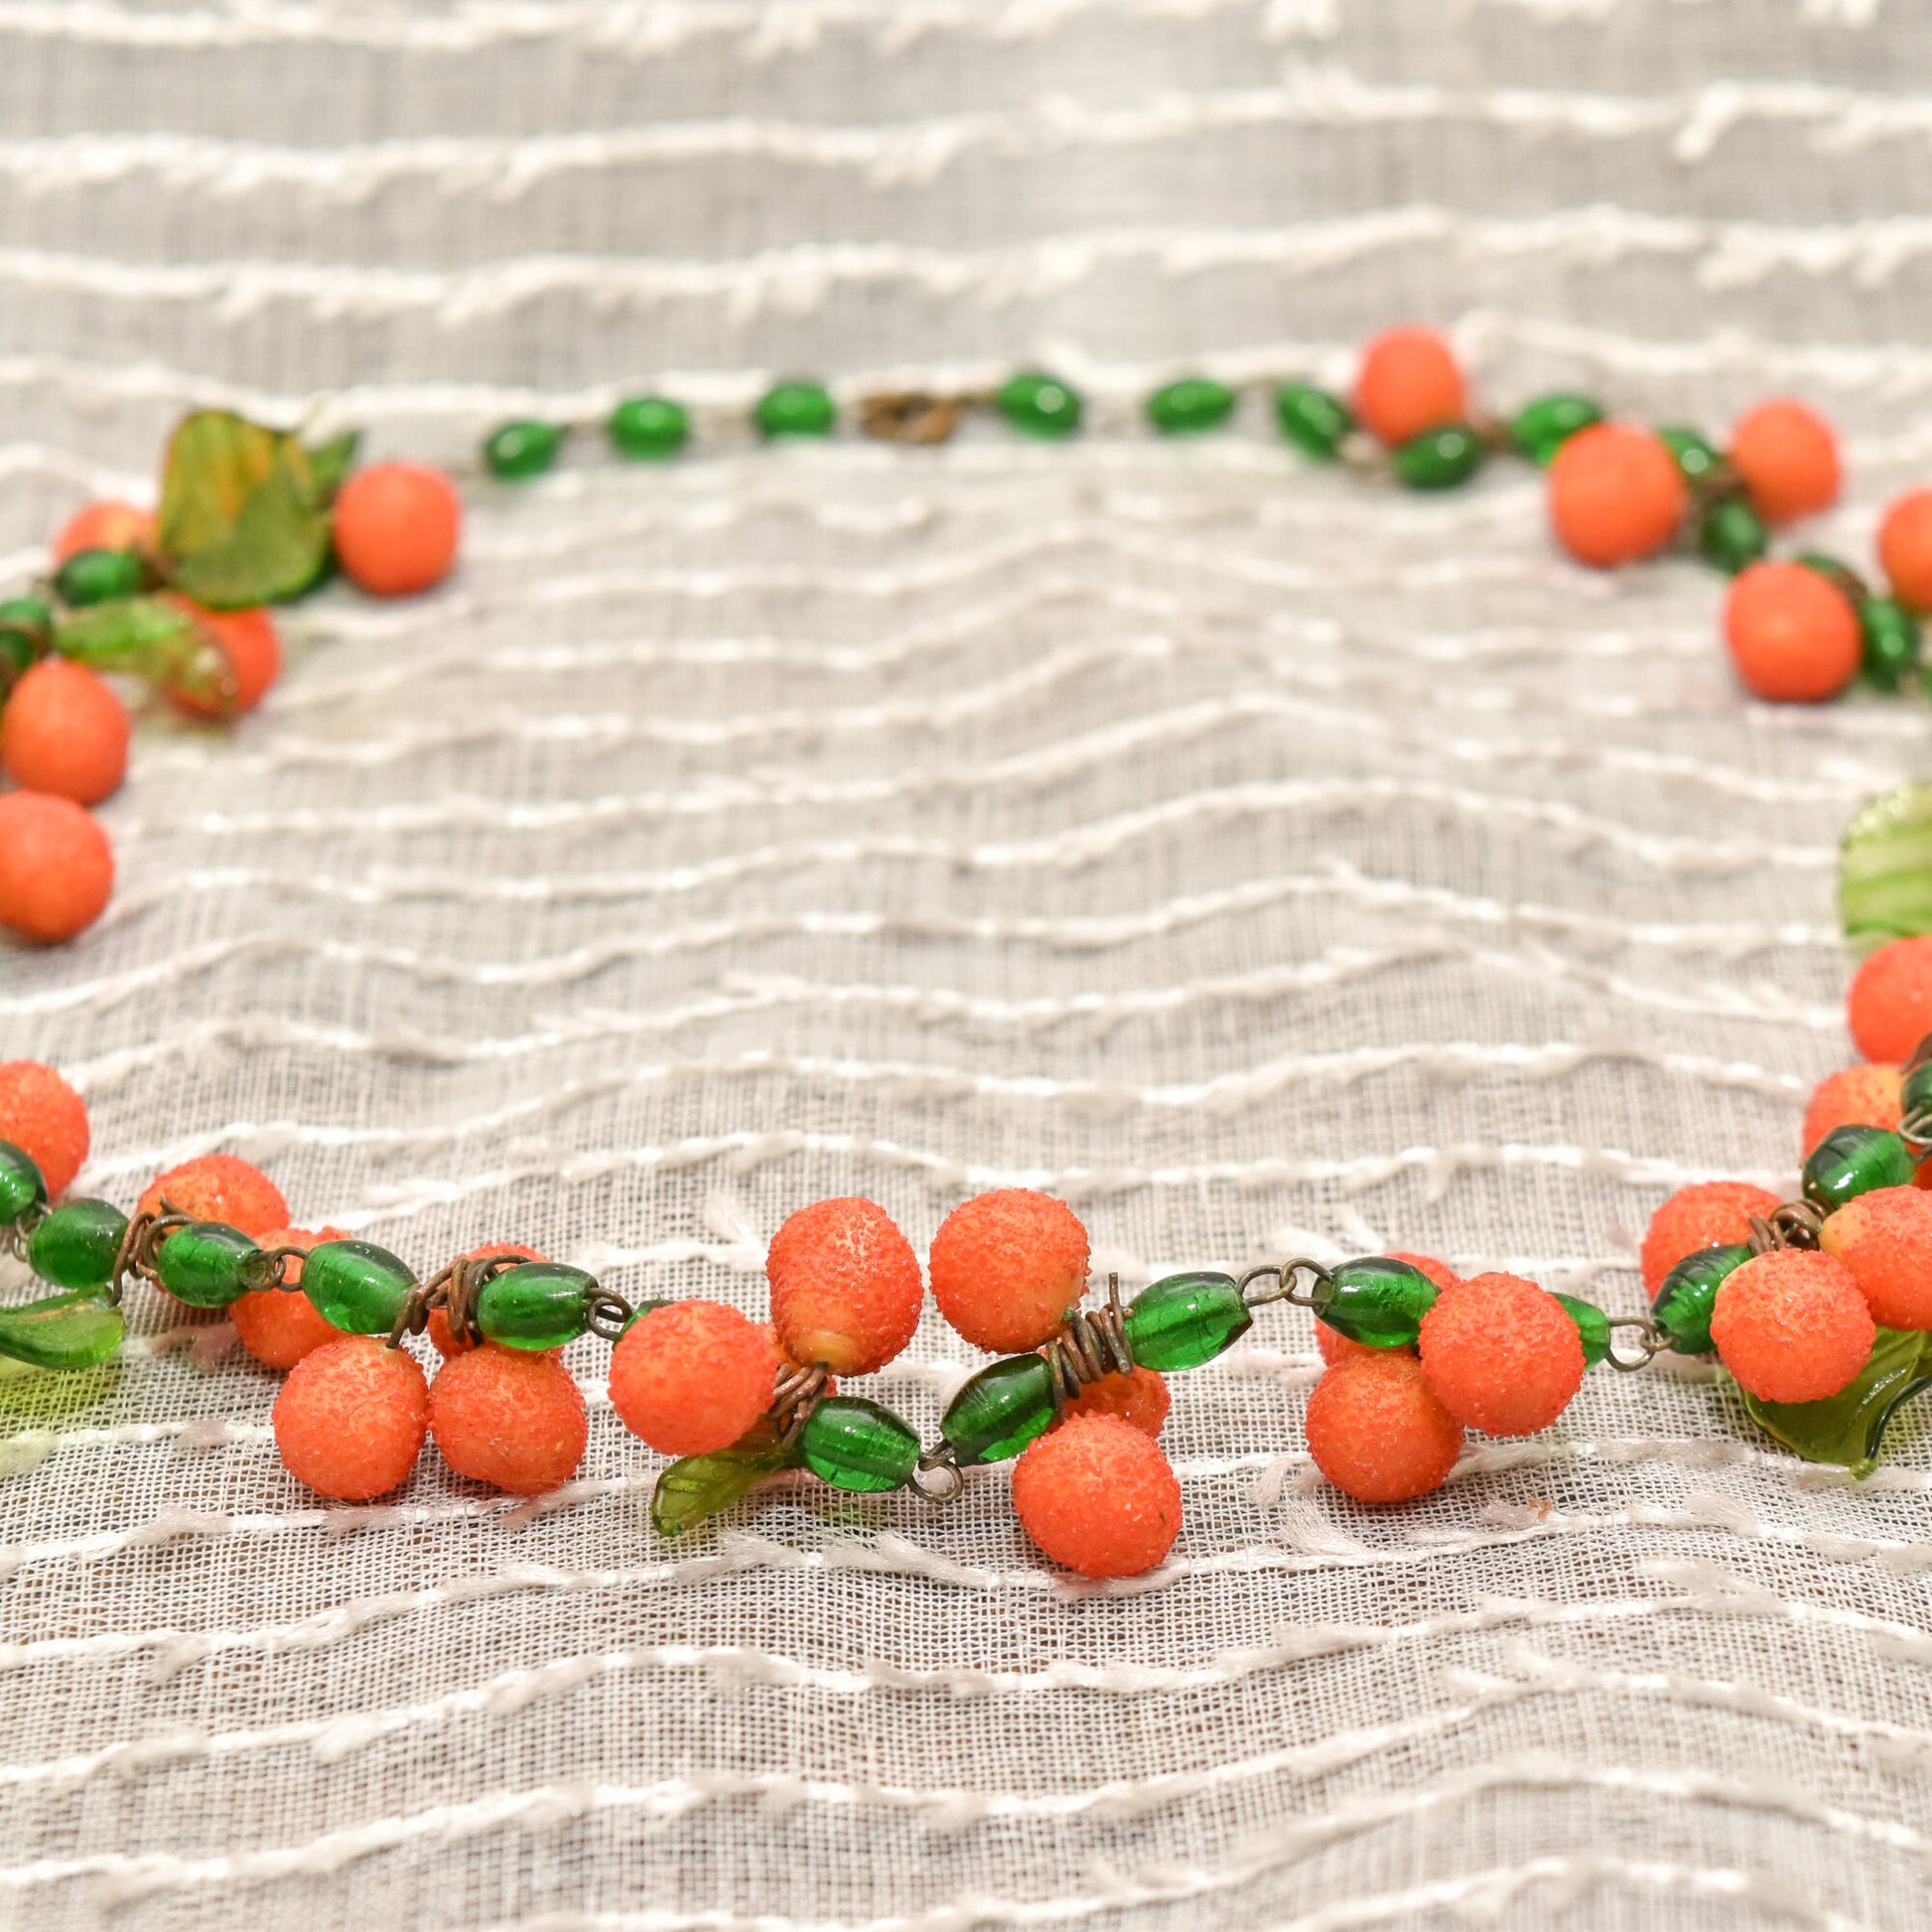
{"x": 22, "y": 1186}
{"x": 78, "y": 1244}
{"x": 1732, "y": 536}
{"x": 1853, "y": 1160}
{"x": 357, "y": 1287}
{"x": 1440, "y": 458}
{"x": 1686, "y": 1296}
{"x": 517, "y": 451}
{"x": 30, "y": 616}
{"x": 1184, "y": 1321}
{"x": 1593, "y": 1327}
{"x": 647, "y": 429}
{"x": 97, "y": 575}
{"x": 852, "y": 1443}
{"x": 63, "y": 1331}
{"x": 1889, "y": 634}
{"x": 1316, "y": 422}
{"x": 1187, "y": 407}
{"x": 1000, "y": 1411}
{"x": 1541, "y": 428}
{"x": 1696, "y": 458}
{"x": 537, "y": 1305}
{"x": 796, "y": 409}
{"x": 1916, "y": 1095}
{"x": 200, "y": 1264}
{"x": 1378, "y": 1301}
{"x": 1039, "y": 405}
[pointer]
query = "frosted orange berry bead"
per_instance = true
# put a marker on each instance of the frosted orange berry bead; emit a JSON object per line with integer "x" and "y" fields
{"x": 1890, "y": 1004}
{"x": 1409, "y": 381}
{"x": 1706, "y": 1214}
{"x": 508, "y": 1417}
{"x": 1791, "y": 1325}
{"x": 43, "y": 1117}
{"x": 350, "y": 1418}
{"x": 1788, "y": 459}
{"x": 219, "y": 1187}
{"x": 1338, "y": 1348}
{"x": 1855, "y": 1096}
{"x": 106, "y": 526}
{"x": 56, "y": 869}
{"x": 692, "y": 1377}
{"x": 437, "y": 1329}
{"x": 1501, "y": 1354}
{"x": 1007, "y": 1267}
{"x": 1139, "y": 1397}
{"x": 1376, "y": 1430}
{"x": 1885, "y": 1239}
{"x": 1097, "y": 1495}
{"x": 65, "y": 731}
{"x": 396, "y": 526}
{"x": 1905, "y": 548}
{"x": 845, "y": 1285}
{"x": 1793, "y": 634}
{"x": 279, "y": 1325}
{"x": 1615, "y": 494}
{"x": 253, "y": 649}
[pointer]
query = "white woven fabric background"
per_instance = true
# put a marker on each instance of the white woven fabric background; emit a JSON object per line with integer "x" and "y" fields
{"x": 1262, "y": 862}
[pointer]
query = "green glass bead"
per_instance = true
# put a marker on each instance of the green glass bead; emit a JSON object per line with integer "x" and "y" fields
{"x": 796, "y": 409}
{"x": 539, "y": 1305}
{"x": 1187, "y": 407}
{"x": 28, "y": 616}
{"x": 852, "y": 1443}
{"x": 1852, "y": 1161}
{"x": 1379, "y": 1302}
{"x": 1593, "y": 1327}
{"x": 1915, "y": 1096}
{"x": 1696, "y": 458}
{"x": 357, "y": 1287}
{"x": 96, "y": 576}
{"x": 22, "y": 1188}
{"x": 200, "y": 1264}
{"x": 1732, "y": 536}
{"x": 72, "y": 1331}
{"x": 1686, "y": 1297}
{"x": 1185, "y": 1320}
{"x": 517, "y": 451}
{"x": 647, "y": 429}
{"x": 1890, "y": 637}
{"x": 1039, "y": 405}
{"x": 1440, "y": 458}
{"x": 1000, "y": 1411}
{"x": 1541, "y": 428}
{"x": 78, "y": 1244}
{"x": 1316, "y": 422}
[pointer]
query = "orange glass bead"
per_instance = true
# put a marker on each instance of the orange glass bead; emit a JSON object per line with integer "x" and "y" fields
{"x": 65, "y": 731}
{"x": 43, "y": 1117}
{"x": 1501, "y": 1354}
{"x": 1615, "y": 495}
{"x": 56, "y": 869}
{"x": 437, "y": 1329}
{"x": 350, "y": 1419}
{"x": 1376, "y": 1430}
{"x": 1890, "y": 1004}
{"x": 1885, "y": 1239}
{"x": 106, "y": 525}
{"x": 1007, "y": 1267}
{"x": 1338, "y": 1348}
{"x": 1788, "y": 459}
{"x": 1097, "y": 1495}
{"x": 219, "y": 1187}
{"x": 509, "y": 1418}
{"x": 396, "y": 526}
{"x": 253, "y": 649}
{"x": 1140, "y": 1397}
{"x": 845, "y": 1285}
{"x": 1905, "y": 548}
{"x": 1791, "y": 1325}
{"x": 692, "y": 1377}
{"x": 1409, "y": 381}
{"x": 1706, "y": 1214}
{"x": 279, "y": 1325}
{"x": 1855, "y": 1096}
{"x": 1793, "y": 634}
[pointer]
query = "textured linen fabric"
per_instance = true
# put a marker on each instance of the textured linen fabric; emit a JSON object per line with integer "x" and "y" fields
{"x": 1266, "y": 862}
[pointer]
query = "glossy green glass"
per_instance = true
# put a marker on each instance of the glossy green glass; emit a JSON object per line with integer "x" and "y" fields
{"x": 77, "y": 1330}
{"x": 1378, "y": 1301}
{"x": 537, "y": 1305}
{"x": 796, "y": 409}
{"x": 78, "y": 1244}
{"x": 1039, "y": 405}
{"x": 22, "y": 1187}
{"x": 1184, "y": 1321}
{"x": 29, "y": 616}
{"x": 200, "y": 1264}
{"x": 357, "y": 1287}
{"x": 1853, "y": 1160}
{"x": 852, "y": 1443}
{"x": 699, "y": 1486}
{"x": 1190, "y": 406}
{"x": 517, "y": 451}
{"x": 1732, "y": 536}
{"x": 1836, "y": 570}
{"x": 1000, "y": 1411}
{"x": 1687, "y": 1294}
{"x": 96, "y": 576}
{"x": 1440, "y": 458}
{"x": 1541, "y": 428}
{"x": 1696, "y": 458}
{"x": 1916, "y": 1095}
{"x": 1316, "y": 422}
{"x": 1890, "y": 635}
{"x": 1848, "y": 1428}
{"x": 647, "y": 429}
{"x": 1593, "y": 1327}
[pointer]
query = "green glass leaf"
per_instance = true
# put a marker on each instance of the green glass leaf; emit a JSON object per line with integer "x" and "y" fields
{"x": 155, "y": 638}
{"x": 330, "y": 465}
{"x": 72, "y": 1331}
{"x": 697, "y": 1486}
{"x": 1884, "y": 868}
{"x": 1848, "y": 1428}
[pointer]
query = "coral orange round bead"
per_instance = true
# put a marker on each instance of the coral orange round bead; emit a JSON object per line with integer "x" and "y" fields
{"x": 1376, "y": 1430}
{"x": 1855, "y": 1096}
{"x": 1409, "y": 381}
{"x": 253, "y": 649}
{"x": 508, "y": 1417}
{"x": 1097, "y": 1495}
{"x": 56, "y": 869}
{"x": 279, "y": 1325}
{"x": 1706, "y": 1214}
{"x": 1007, "y": 1267}
{"x": 437, "y": 1329}
{"x": 396, "y": 527}
{"x": 845, "y": 1285}
{"x": 1788, "y": 459}
{"x": 1890, "y": 1004}
{"x": 1793, "y": 634}
{"x": 219, "y": 1187}
{"x": 1791, "y": 1325}
{"x": 1905, "y": 548}
{"x": 1501, "y": 1354}
{"x": 65, "y": 731}
{"x": 692, "y": 1377}
{"x": 1885, "y": 1239}
{"x": 106, "y": 525}
{"x": 43, "y": 1117}
{"x": 350, "y": 1419}
{"x": 1140, "y": 1397}
{"x": 1615, "y": 495}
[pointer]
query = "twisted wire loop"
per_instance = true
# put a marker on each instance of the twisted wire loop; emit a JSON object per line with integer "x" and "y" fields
{"x": 269, "y": 1268}
{"x": 1915, "y": 1130}
{"x": 938, "y": 1478}
{"x": 1791, "y": 1224}
{"x": 1090, "y": 1346}
{"x": 454, "y": 1290}
{"x": 792, "y": 1402}
{"x": 606, "y": 1312}
{"x": 1652, "y": 1339}
{"x": 140, "y": 1248}
{"x": 1286, "y": 1277}
{"x": 912, "y": 416}
{"x": 22, "y": 1226}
